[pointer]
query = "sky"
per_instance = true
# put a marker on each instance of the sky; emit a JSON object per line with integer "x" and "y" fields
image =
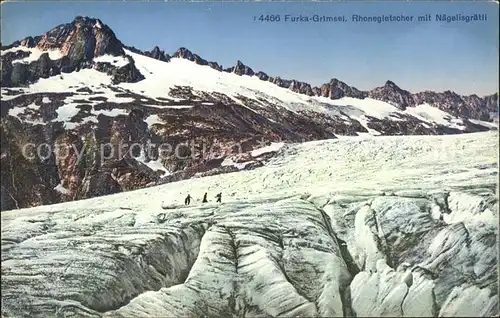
{"x": 417, "y": 56}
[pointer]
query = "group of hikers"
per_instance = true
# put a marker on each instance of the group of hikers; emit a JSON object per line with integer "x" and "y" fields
{"x": 187, "y": 201}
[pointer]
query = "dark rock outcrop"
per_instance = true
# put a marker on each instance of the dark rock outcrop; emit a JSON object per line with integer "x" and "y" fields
{"x": 301, "y": 88}
{"x": 215, "y": 66}
{"x": 125, "y": 74}
{"x": 27, "y": 178}
{"x": 82, "y": 39}
{"x": 30, "y": 42}
{"x": 98, "y": 184}
{"x": 472, "y": 106}
{"x": 128, "y": 73}
{"x": 491, "y": 103}
{"x": 133, "y": 49}
{"x": 85, "y": 38}
{"x": 158, "y": 54}
{"x": 13, "y": 72}
{"x": 262, "y": 76}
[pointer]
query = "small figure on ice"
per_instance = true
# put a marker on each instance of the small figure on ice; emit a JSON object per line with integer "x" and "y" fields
{"x": 219, "y": 197}
{"x": 204, "y": 198}
{"x": 187, "y": 200}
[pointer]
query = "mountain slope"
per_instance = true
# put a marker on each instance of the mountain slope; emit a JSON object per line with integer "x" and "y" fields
{"x": 110, "y": 108}
{"x": 390, "y": 226}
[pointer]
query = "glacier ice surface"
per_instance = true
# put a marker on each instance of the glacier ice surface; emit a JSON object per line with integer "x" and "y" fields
{"x": 386, "y": 226}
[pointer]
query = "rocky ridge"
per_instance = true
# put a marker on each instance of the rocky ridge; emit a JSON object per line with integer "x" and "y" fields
{"x": 285, "y": 242}
{"x": 77, "y": 43}
{"x": 230, "y": 126}
{"x": 472, "y": 106}
{"x": 86, "y": 38}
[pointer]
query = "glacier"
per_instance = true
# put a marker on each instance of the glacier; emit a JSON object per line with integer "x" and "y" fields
{"x": 161, "y": 78}
{"x": 399, "y": 226}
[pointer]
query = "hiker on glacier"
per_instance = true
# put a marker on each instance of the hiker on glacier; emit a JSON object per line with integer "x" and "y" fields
{"x": 219, "y": 197}
{"x": 187, "y": 200}
{"x": 204, "y": 198}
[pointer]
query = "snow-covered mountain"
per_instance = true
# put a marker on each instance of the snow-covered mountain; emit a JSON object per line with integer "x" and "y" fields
{"x": 392, "y": 226}
{"x": 78, "y": 87}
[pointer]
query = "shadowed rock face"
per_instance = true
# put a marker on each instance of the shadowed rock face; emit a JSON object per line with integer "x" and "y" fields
{"x": 188, "y": 55}
{"x": 472, "y": 106}
{"x": 158, "y": 54}
{"x": 212, "y": 128}
{"x": 19, "y": 74}
{"x": 209, "y": 120}
{"x": 155, "y": 53}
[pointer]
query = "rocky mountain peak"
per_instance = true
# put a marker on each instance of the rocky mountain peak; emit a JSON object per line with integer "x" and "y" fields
{"x": 158, "y": 54}
{"x": 390, "y": 84}
{"x": 336, "y": 81}
{"x": 184, "y": 53}
{"x": 82, "y": 39}
{"x": 92, "y": 22}
{"x": 392, "y": 94}
{"x": 30, "y": 41}
{"x": 301, "y": 88}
